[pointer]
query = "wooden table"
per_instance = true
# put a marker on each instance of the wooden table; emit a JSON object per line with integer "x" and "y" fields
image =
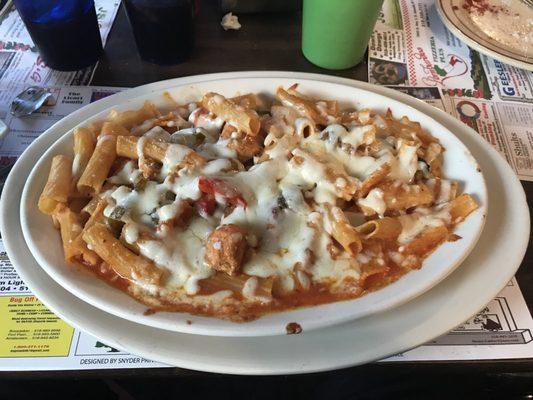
{"x": 269, "y": 42}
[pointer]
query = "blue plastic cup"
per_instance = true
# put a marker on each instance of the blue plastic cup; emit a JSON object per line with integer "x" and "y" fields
{"x": 65, "y": 31}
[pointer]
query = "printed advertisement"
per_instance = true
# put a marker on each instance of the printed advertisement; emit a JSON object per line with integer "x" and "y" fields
{"x": 503, "y": 329}
{"x": 508, "y": 83}
{"x": 411, "y": 46}
{"x": 33, "y": 338}
{"x": 506, "y": 125}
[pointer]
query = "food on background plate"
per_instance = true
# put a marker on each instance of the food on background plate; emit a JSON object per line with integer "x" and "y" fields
{"x": 228, "y": 208}
{"x": 507, "y": 22}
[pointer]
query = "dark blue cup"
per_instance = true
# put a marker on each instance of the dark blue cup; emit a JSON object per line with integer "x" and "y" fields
{"x": 163, "y": 29}
{"x": 65, "y": 31}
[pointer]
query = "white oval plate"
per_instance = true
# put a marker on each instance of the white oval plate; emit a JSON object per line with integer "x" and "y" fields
{"x": 458, "y": 21}
{"x": 485, "y": 272}
{"x": 45, "y": 244}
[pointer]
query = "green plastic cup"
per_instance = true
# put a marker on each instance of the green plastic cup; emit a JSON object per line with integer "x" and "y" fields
{"x": 335, "y": 33}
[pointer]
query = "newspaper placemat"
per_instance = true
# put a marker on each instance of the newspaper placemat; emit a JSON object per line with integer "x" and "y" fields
{"x": 411, "y": 46}
{"x": 33, "y": 338}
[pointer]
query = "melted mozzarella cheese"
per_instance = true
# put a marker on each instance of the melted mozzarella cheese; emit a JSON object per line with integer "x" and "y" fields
{"x": 139, "y": 203}
{"x": 374, "y": 201}
{"x": 217, "y": 166}
{"x": 284, "y": 217}
{"x": 294, "y": 198}
{"x": 209, "y": 122}
{"x": 326, "y": 270}
{"x": 170, "y": 211}
{"x": 250, "y": 286}
{"x": 406, "y": 162}
{"x": 333, "y": 133}
{"x": 261, "y": 198}
{"x": 127, "y": 175}
{"x": 356, "y": 165}
{"x": 414, "y": 224}
{"x": 313, "y": 172}
{"x": 359, "y": 135}
{"x": 184, "y": 187}
{"x": 219, "y": 149}
{"x": 174, "y": 154}
{"x": 285, "y": 244}
{"x": 182, "y": 253}
{"x": 131, "y": 232}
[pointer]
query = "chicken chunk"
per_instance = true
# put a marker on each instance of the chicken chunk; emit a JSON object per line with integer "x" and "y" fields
{"x": 149, "y": 167}
{"x": 225, "y": 248}
{"x": 245, "y": 145}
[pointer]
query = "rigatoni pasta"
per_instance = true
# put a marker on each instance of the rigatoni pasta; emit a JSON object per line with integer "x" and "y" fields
{"x": 229, "y": 208}
{"x": 57, "y": 187}
{"x": 244, "y": 119}
{"x": 97, "y": 169}
{"x": 124, "y": 262}
{"x": 84, "y": 142}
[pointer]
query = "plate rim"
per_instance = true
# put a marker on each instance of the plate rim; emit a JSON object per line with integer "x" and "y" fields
{"x": 372, "y": 303}
{"x": 90, "y": 321}
{"x": 478, "y": 46}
